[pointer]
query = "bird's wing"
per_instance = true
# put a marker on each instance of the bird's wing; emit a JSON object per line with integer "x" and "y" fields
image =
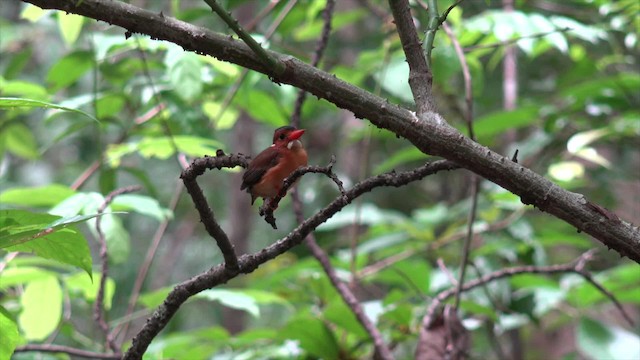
{"x": 269, "y": 157}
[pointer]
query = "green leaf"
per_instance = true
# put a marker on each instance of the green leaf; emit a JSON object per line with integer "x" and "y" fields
{"x": 43, "y": 196}
{"x": 185, "y": 74}
{"x": 23, "y": 89}
{"x": 10, "y": 103}
{"x": 69, "y": 69}
{"x": 116, "y": 237}
{"x": 70, "y": 26}
{"x": 408, "y": 274}
{"x": 394, "y": 78}
{"x": 9, "y": 334}
{"x": 501, "y": 121}
{"x": 400, "y": 157}
{"x": 109, "y": 105}
{"x": 232, "y": 299}
{"x": 89, "y": 289}
{"x": 162, "y": 148}
{"x": 314, "y": 336}
{"x": 338, "y": 313}
{"x": 154, "y": 298}
{"x": 340, "y": 19}
{"x": 33, "y": 13}
{"x": 223, "y": 121}
{"x": 194, "y": 344}
{"x": 41, "y": 312}
{"x": 141, "y": 204}
{"x": 599, "y": 341}
{"x": 47, "y": 236}
{"x": 21, "y": 275}
{"x": 19, "y": 140}
{"x": 263, "y": 107}
{"x": 368, "y": 214}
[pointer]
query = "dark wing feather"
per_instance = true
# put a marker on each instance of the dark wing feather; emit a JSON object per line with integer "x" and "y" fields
{"x": 267, "y": 159}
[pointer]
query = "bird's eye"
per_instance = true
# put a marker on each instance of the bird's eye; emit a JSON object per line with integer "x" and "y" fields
{"x": 281, "y": 136}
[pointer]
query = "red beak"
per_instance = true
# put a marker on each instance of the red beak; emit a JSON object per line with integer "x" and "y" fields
{"x": 295, "y": 135}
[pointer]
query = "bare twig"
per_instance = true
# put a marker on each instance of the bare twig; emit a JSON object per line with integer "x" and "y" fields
{"x": 98, "y": 309}
{"x": 66, "y": 350}
{"x": 321, "y": 45}
{"x": 247, "y": 263}
{"x": 189, "y": 176}
{"x": 420, "y": 76}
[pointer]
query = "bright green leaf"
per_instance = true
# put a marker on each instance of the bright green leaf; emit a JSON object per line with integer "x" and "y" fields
{"x": 89, "y": 289}
{"x": 232, "y": 299}
{"x": 10, "y": 103}
{"x": 69, "y": 69}
{"x": 43, "y": 196}
{"x": 367, "y": 213}
{"x": 19, "y": 140}
{"x": 41, "y": 304}
{"x": 566, "y": 170}
{"x": 47, "y": 236}
{"x": 263, "y": 107}
{"x": 162, "y": 148}
{"x": 144, "y": 205}
{"x": 400, "y": 157}
{"x": 314, "y": 336}
{"x": 9, "y": 334}
{"x": 33, "y": 13}
{"x": 21, "y": 275}
{"x": 501, "y": 121}
{"x": 23, "y": 89}
{"x": 70, "y": 26}
{"x": 185, "y": 74}
{"x": 223, "y": 121}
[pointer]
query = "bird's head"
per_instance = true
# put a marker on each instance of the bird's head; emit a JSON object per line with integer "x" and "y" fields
{"x": 287, "y": 136}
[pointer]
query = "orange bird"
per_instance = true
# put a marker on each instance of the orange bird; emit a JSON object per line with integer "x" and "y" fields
{"x": 267, "y": 171}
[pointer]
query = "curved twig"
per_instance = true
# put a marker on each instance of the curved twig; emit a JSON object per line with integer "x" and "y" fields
{"x": 189, "y": 175}
{"x": 247, "y": 263}
{"x": 98, "y": 309}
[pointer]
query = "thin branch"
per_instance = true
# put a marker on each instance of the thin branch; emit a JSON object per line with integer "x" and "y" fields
{"x": 445, "y": 14}
{"x": 236, "y": 85}
{"x": 274, "y": 64}
{"x": 475, "y": 181}
{"x": 382, "y": 350}
{"x": 576, "y": 266}
{"x": 189, "y": 176}
{"x": 247, "y": 263}
{"x": 66, "y": 350}
{"x": 321, "y": 45}
{"x": 98, "y": 309}
{"x": 420, "y": 76}
{"x": 148, "y": 260}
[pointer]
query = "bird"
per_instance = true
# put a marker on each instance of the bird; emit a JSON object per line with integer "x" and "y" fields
{"x": 266, "y": 172}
